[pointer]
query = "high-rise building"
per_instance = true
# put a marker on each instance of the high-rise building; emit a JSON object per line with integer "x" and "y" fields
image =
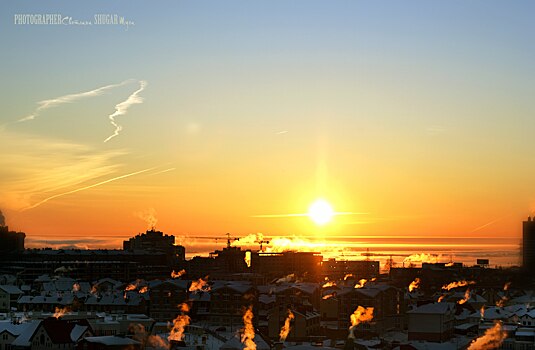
{"x": 528, "y": 244}
{"x": 11, "y": 241}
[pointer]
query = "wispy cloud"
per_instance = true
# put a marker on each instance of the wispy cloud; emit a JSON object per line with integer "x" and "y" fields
{"x": 87, "y": 187}
{"x": 46, "y": 104}
{"x": 35, "y": 167}
{"x": 122, "y": 108}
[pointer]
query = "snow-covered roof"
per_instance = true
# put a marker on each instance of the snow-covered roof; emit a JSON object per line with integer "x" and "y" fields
{"x": 10, "y": 289}
{"x": 111, "y": 340}
{"x": 77, "y": 332}
{"x": 25, "y": 337}
{"x": 432, "y": 308}
{"x": 266, "y": 299}
{"x": 235, "y": 344}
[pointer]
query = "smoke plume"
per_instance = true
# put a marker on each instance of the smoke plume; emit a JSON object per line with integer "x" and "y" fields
{"x": 2, "y": 219}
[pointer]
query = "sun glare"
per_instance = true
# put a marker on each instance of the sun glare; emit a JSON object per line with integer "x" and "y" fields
{"x": 320, "y": 212}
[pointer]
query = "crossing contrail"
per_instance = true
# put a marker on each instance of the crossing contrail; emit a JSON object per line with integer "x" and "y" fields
{"x": 46, "y": 104}
{"x": 122, "y": 108}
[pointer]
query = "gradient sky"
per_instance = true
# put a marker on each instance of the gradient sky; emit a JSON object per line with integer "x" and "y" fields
{"x": 417, "y": 114}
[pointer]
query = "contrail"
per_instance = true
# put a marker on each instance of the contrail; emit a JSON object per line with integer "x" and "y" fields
{"x": 487, "y": 224}
{"x": 87, "y": 187}
{"x": 122, "y": 108}
{"x": 45, "y": 104}
{"x": 163, "y": 171}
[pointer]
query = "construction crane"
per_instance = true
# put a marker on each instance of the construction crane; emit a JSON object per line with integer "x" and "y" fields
{"x": 229, "y": 239}
{"x": 261, "y": 242}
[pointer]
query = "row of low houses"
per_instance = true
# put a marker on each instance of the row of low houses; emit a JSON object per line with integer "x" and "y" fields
{"x": 319, "y": 311}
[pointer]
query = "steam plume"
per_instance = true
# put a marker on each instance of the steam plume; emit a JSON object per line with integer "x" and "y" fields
{"x": 349, "y": 275}
{"x": 492, "y": 339}
{"x": 360, "y": 315}
{"x": 329, "y": 284}
{"x": 414, "y": 284}
{"x": 199, "y": 285}
{"x": 286, "y": 328}
{"x": 180, "y": 323}
{"x": 60, "y": 312}
{"x": 149, "y": 216}
{"x": 177, "y": 274}
{"x": 134, "y": 286}
{"x": 361, "y": 283}
{"x": 122, "y": 108}
{"x": 422, "y": 258}
{"x": 457, "y": 284}
{"x": 466, "y": 297}
{"x": 152, "y": 341}
{"x": 248, "y": 333}
{"x": 289, "y": 278}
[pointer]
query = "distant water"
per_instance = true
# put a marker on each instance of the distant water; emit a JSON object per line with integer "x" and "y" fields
{"x": 503, "y": 252}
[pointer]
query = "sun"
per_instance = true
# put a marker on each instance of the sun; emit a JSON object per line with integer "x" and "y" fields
{"x": 321, "y": 212}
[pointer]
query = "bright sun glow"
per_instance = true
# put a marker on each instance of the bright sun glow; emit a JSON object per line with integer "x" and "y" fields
{"x": 320, "y": 212}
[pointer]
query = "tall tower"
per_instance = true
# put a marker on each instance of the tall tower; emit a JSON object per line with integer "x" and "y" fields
{"x": 528, "y": 244}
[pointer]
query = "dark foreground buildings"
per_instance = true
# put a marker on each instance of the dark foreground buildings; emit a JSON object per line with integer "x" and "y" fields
{"x": 11, "y": 241}
{"x": 528, "y": 244}
{"x": 151, "y": 255}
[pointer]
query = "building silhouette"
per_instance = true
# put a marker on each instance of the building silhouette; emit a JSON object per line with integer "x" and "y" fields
{"x": 11, "y": 241}
{"x": 528, "y": 244}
